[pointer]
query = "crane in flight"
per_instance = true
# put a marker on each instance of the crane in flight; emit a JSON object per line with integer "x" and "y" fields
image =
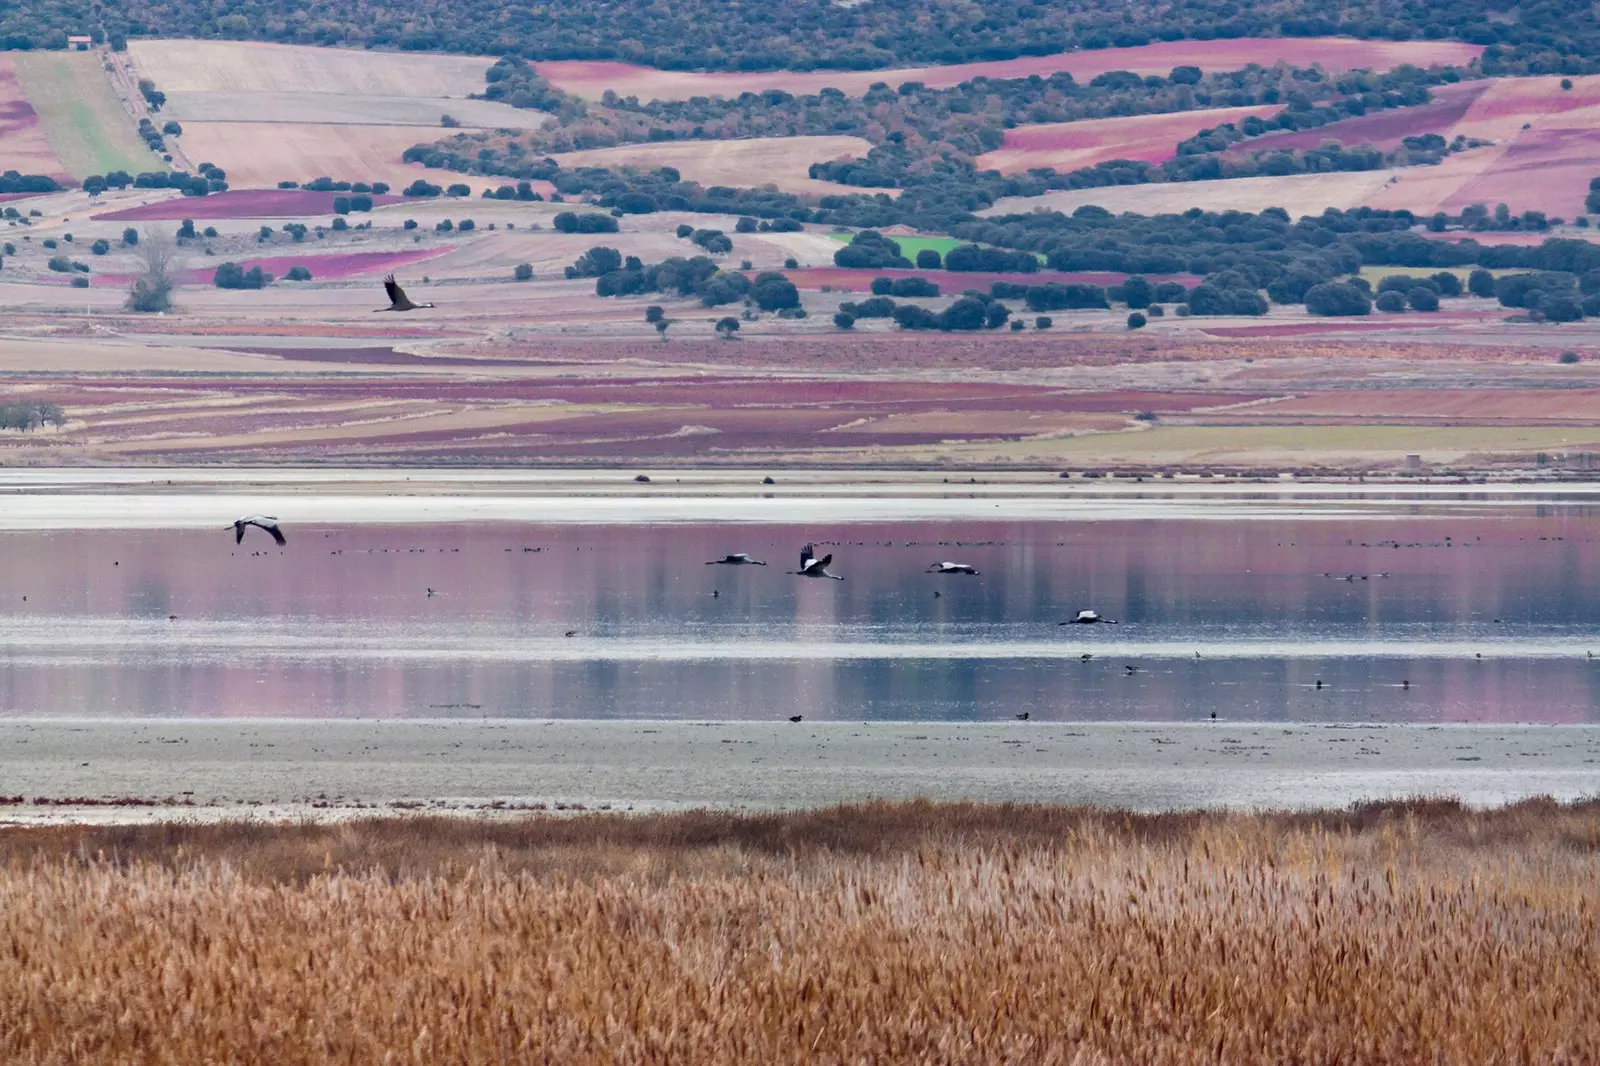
{"x": 811, "y": 566}
{"x": 398, "y": 300}
{"x": 261, "y": 521}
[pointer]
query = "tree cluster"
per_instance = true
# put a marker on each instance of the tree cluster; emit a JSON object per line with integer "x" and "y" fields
{"x": 1544, "y": 36}
{"x": 233, "y": 276}
{"x": 12, "y": 181}
{"x": 30, "y": 416}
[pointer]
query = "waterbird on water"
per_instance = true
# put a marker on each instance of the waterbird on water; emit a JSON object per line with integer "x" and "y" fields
{"x": 262, "y": 521}
{"x": 1087, "y": 618}
{"x": 1023, "y": 717}
{"x": 398, "y": 300}
{"x": 810, "y": 566}
{"x": 951, "y": 568}
{"x": 796, "y": 717}
{"x": 736, "y": 559}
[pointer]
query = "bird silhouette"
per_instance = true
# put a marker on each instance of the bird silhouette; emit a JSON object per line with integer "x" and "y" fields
{"x": 1023, "y": 717}
{"x": 1087, "y": 618}
{"x": 951, "y": 568}
{"x": 261, "y": 521}
{"x": 810, "y": 566}
{"x": 398, "y": 300}
{"x": 736, "y": 559}
{"x": 796, "y": 717}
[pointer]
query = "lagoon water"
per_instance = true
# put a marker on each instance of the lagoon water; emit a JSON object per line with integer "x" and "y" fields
{"x": 1226, "y": 607}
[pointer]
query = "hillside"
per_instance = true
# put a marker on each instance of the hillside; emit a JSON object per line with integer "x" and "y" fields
{"x": 878, "y": 34}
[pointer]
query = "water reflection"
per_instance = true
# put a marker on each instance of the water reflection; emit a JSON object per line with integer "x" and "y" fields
{"x": 1407, "y": 619}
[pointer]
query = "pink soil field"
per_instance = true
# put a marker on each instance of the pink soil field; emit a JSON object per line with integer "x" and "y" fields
{"x": 591, "y": 79}
{"x": 1544, "y": 169}
{"x": 1070, "y": 145}
{"x": 23, "y": 145}
{"x": 239, "y": 203}
{"x": 323, "y": 267}
{"x": 842, "y": 279}
{"x": 1381, "y": 129}
{"x": 647, "y": 416}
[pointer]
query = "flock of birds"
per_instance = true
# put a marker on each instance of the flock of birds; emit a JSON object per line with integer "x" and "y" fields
{"x": 810, "y": 564}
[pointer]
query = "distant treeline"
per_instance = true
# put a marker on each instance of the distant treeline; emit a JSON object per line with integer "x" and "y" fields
{"x": 1541, "y": 36}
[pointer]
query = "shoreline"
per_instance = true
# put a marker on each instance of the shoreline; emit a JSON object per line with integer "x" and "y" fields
{"x": 105, "y": 771}
{"x": 184, "y": 498}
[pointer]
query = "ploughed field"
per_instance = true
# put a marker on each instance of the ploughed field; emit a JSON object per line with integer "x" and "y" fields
{"x": 1387, "y": 933}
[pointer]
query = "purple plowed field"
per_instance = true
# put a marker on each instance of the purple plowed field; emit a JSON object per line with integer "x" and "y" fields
{"x": 330, "y": 267}
{"x": 842, "y": 279}
{"x": 239, "y": 203}
{"x": 1381, "y": 129}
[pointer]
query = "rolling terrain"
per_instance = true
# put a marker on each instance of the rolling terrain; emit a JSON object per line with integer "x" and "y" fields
{"x": 262, "y": 374}
{"x": 592, "y": 79}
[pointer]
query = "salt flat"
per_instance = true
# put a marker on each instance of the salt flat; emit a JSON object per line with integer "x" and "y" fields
{"x": 341, "y": 769}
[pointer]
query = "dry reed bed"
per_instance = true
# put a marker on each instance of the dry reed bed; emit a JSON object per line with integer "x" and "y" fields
{"x": 887, "y": 933}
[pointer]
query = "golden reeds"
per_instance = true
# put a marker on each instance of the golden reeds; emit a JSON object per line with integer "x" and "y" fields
{"x": 1415, "y": 933}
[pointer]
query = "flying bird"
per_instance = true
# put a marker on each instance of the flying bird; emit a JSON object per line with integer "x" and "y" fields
{"x": 736, "y": 559}
{"x": 951, "y": 568}
{"x": 1086, "y": 618}
{"x": 810, "y": 566}
{"x": 266, "y": 522}
{"x": 398, "y": 300}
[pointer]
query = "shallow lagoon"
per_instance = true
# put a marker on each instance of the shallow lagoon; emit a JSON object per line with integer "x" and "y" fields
{"x": 1231, "y": 601}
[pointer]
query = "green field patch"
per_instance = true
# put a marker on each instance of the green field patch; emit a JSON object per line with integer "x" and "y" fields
{"x": 1374, "y": 273}
{"x": 910, "y": 246}
{"x": 87, "y": 126}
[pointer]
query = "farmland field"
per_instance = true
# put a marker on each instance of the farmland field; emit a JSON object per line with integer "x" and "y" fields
{"x": 239, "y": 203}
{"x": 322, "y": 108}
{"x": 23, "y": 144}
{"x": 1299, "y": 194}
{"x": 88, "y": 127}
{"x": 246, "y": 67}
{"x": 1544, "y": 151}
{"x": 261, "y": 154}
{"x": 779, "y": 161}
{"x": 1382, "y": 129}
{"x": 1066, "y": 146}
{"x": 592, "y": 79}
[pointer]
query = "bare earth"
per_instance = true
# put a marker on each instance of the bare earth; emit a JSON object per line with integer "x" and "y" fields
{"x": 143, "y": 770}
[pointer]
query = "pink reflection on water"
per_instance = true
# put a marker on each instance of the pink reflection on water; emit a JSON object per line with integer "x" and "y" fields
{"x": 307, "y": 630}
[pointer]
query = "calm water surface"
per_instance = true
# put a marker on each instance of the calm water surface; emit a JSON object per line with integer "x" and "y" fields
{"x": 1240, "y": 618}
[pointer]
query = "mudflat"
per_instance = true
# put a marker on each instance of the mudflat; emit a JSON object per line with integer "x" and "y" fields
{"x": 54, "y": 770}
